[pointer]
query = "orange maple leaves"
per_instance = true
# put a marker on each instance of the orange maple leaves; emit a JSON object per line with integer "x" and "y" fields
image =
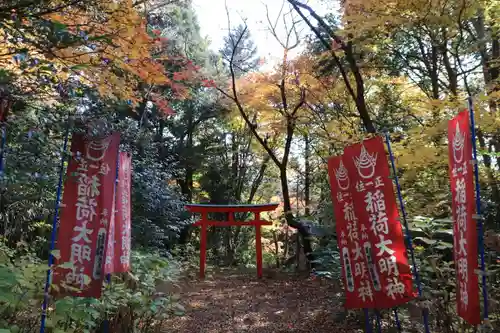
{"x": 120, "y": 38}
{"x": 162, "y": 103}
{"x": 112, "y": 51}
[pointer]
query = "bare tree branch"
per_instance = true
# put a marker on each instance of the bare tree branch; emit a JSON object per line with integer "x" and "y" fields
{"x": 358, "y": 95}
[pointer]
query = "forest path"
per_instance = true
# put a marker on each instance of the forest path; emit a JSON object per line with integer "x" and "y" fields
{"x": 229, "y": 302}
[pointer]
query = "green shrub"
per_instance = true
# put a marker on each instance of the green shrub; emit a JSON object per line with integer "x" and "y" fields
{"x": 131, "y": 302}
{"x": 327, "y": 260}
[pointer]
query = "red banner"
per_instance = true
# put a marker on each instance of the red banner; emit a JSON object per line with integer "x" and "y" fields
{"x": 87, "y": 208}
{"x": 358, "y": 288}
{"x": 464, "y": 227}
{"x": 118, "y": 254}
{"x": 376, "y": 209}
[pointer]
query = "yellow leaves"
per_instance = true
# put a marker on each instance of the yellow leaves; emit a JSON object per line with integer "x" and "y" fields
{"x": 262, "y": 98}
{"x": 114, "y": 53}
{"x": 494, "y": 95}
{"x": 487, "y": 121}
{"x": 421, "y": 155}
{"x": 365, "y": 19}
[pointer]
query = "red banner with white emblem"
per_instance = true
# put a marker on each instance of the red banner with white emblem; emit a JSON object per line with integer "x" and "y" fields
{"x": 464, "y": 227}
{"x": 380, "y": 229}
{"x": 358, "y": 288}
{"x": 118, "y": 253}
{"x": 85, "y": 216}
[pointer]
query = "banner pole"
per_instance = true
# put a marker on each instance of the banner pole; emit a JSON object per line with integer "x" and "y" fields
{"x": 396, "y": 319}
{"x": 379, "y": 322}
{"x": 407, "y": 229}
{"x": 478, "y": 209}
{"x": 2, "y": 147}
{"x": 108, "y": 276}
{"x": 106, "y": 320}
{"x": 54, "y": 227}
{"x": 368, "y": 325}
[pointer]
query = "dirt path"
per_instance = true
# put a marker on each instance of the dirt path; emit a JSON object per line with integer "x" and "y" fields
{"x": 232, "y": 303}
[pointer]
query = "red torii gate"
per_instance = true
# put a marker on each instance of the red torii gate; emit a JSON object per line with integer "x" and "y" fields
{"x": 204, "y": 222}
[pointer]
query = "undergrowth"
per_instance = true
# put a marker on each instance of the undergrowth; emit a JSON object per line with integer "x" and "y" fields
{"x": 131, "y": 302}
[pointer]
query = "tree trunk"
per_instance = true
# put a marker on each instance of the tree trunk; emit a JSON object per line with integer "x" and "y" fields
{"x": 290, "y": 117}
{"x": 307, "y": 175}
{"x": 357, "y": 94}
{"x": 258, "y": 180}
{"x": 286, "y": 245}
{"x": 187, "y": 158}
{"x": 450, "y": 70}
{"x": 434, "y": 75}
{"x": 235, "y": 164}
{"x": 488, "y": 75}
{"x": 290, "y": 219}
{"x": 297, "y": 198}
{"x": 276, "y": 249}
{"x": 495, "y": 191}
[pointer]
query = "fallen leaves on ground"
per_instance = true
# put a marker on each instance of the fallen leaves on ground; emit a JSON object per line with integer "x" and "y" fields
{"x": 238, "y": 302}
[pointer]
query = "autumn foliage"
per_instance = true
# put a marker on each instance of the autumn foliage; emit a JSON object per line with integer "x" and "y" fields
{"x": 107, "y": 47}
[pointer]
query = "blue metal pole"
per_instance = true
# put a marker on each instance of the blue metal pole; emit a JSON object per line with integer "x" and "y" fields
{"x": 396, "y": 319}
{"x": 408, "y": 233}
{"x": 106, "y": 321}
{"x": 2, "y": 149}
{"x": 108, "y": 276}
{"x": 54, "y": 229}
{"x": 368, "y": 324}
{"x": 379, "y": 322}
{"x": 478, "y": 208}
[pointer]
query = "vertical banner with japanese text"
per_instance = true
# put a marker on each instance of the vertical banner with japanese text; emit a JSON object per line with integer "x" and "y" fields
{"x": 85, "y": 216}
{"x": 464, "y": 226}
{"x": 377, "y": 211}
{"x": 118, "y": 254}
{"x": 358, "y": 288}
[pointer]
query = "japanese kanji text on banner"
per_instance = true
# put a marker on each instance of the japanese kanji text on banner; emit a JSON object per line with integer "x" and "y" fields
{"x": 358, "y": 288}
{"x": 118, "y": 253}
{"x": 381, "y": 232}
{"x": 464, "y": 226}
{"x": 85, "y": 217}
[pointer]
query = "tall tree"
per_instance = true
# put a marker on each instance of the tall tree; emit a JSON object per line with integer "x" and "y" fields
{"x": 274, "y": 113}
{"x": 240, "y": 50}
